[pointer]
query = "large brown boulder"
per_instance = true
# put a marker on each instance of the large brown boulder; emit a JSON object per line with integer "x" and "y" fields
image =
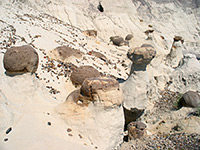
{"x": 142, "y": 55}
{"x": 191, "y": 99}
{"x": 21, "y": 59}
{"x": 80, "y": 74}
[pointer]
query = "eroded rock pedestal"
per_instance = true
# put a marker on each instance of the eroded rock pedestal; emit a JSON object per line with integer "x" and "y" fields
{"x": 96, "y": 112}
{"x": 135, "y": 88}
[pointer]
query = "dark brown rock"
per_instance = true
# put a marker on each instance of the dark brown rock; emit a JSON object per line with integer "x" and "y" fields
{"x": 138, "y": 125}
{"x": 80, "y": 74}
{"x": 191, "y": 99}
{"x": 129, "y": 37}
{"x": 178, "y": 38}
{"x": 117, "y": 40}
{"x": 136, "y": 130}
{"x": 21, "y": 59}
{"x": 142, "y": 55}
{"x": 148, "y": 31}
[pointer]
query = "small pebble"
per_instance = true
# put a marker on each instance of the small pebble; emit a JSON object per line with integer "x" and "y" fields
{"x": 6, "y": 139}
{"x": 80, "y": 136}
{"x": 49, "y": 123}
{"x": 8, "y": 130}
{"x": 69, "y": 130}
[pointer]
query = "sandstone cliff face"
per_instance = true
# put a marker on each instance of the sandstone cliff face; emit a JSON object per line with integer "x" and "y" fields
{"x": 127, "y": 16}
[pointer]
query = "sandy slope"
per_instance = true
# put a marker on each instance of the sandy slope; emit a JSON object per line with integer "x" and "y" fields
{"x": 28, "y": 100}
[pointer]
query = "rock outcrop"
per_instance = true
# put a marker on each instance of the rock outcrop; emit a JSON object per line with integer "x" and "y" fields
{"x": 186, "y": 77}
{"x": 176, "y": 53}
{"x": 104, "y": 90}
{"x": 21, "y": 59}
{"x": 137, "y": 87}
{"x": 96, "y": 111}
{"x": 80, "y": 74}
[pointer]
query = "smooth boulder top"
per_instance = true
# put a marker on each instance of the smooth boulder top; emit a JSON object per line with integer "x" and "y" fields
{"x": 142, "y": 55}
{"x": 191, "y": 99}
{"x": 80, "y": 74}
{"x": 21, "y": 59}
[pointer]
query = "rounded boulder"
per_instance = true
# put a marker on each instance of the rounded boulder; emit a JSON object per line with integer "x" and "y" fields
{"x": 21, "y": 59}
{"x": 129, "y": 37}
{"x": 191, "y": 99}
{"x": 117, "y": 40}
{"x": 80, "y": 74}
{"x": 142, "y": 55}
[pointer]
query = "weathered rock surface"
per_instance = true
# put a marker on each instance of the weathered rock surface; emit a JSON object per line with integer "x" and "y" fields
{"x": 80, "y": 74}
{"x": 136, "y": 130}
{"x": 175, "y": 55}
{"x": 187, "y": 76}
{"x": 190, "y": 99}
{"x": 136, "y": 87}
{"x": 105, "y": 90}
{"x": 96, "y": 112}
{"x": 65, "y": 54}
{"x": 21, "y": 59}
